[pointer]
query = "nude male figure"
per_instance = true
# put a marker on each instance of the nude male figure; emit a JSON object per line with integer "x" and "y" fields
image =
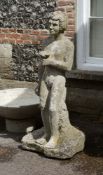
{"x": 58, "y": 139}
{"x": 58, "y": 58}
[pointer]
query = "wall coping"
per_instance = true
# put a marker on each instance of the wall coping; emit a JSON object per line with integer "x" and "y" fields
{"x": 85, "y": 75}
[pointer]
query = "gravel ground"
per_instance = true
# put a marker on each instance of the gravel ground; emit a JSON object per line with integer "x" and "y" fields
{"x": 15, "y": 161}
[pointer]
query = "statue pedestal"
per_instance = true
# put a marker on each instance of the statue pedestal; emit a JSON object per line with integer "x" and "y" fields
{"x": 69, "y": 143}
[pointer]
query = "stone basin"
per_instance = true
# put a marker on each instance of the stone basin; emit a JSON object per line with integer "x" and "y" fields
{"x": 19, "y": 106}
{"x": 18, "y": 103}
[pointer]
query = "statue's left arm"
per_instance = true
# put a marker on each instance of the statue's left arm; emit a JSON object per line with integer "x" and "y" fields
{"x": 63, "y": 64}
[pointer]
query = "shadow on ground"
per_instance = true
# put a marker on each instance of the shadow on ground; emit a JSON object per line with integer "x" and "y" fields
{"x": 94, "y": 134}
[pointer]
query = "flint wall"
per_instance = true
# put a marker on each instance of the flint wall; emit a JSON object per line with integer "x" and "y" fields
{"x": 23, "y": 29}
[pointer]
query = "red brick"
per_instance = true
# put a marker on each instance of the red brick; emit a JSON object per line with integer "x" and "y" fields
{"x": 25, "y": 37}
{"x": 70, "y": 33}
{"x": 11, "y": 30}
{"x": 27, "y": 42}
{"x": 2, "y": 35}
{"x": 42, "y": 37}
{"x": 36, "y": 32}
{"x": 4, "y": 41}
{"x": 19, "y": 41}
{"x": 65, "y": 2}
{"x": 71, "y": 15}
{"x": 14, "y": 35}
{"x": 69, "y": 8}
{"x": 34, "y": 38}
{"x": 5, "y": 30}
{"x": 12, "y": 41}
{"x": 71, "y": 27}
{"x": 27, "y": 31}
{"x": 35, "y": 42}
{"x": 71, "y": 21}
{"x": 44, "y": 32}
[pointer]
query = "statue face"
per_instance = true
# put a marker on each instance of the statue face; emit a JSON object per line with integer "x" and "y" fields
{"x": 54, "y": 27}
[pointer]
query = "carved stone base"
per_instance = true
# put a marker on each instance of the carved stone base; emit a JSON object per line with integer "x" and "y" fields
{"x": 69, "y": 143}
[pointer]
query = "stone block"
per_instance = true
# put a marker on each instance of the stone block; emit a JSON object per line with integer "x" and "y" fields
{"x": 20, "y": 108}
{"x": 85, "y": 94}
{"x": 18, "y": 103}
{"x": 88, "y": 101}
{"x": 5, "y": 51}
{"x": 5, "y": 61}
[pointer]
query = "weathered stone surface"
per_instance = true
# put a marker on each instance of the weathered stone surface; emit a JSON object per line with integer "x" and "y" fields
{"x": 85, "y": 75}
{"x": 60, "y": 139}
{"x": 20, "y": 108}
{"x": 5, "y": 60}
{"x": 70, "y": 142}
{"x": 5, "y": 51}
{"x": 5, "y": 71}
{"x": 18, "y": 103}
{"x": 8, "y": 84}
{"x": 88, "y": 101}
{"x": 84, "y": 94}
{"x": 26, "y": 13}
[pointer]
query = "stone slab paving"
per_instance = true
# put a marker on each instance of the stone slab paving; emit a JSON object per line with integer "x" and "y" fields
{"x": 15, "y": 161}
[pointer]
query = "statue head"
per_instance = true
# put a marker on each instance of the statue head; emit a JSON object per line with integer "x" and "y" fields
{"x": 58, "y": 22}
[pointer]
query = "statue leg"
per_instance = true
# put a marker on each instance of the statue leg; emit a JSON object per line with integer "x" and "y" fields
{"x": 44, "y": 95}
{"x": 56, "y": 96}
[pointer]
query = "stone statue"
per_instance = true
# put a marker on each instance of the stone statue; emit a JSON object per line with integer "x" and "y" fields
{"x": 58, "y": 138}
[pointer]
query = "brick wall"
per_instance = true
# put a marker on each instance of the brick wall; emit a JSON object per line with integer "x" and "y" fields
{"x": 18, "y": 35}
{"x": 23, "y": 25}
{"x": 68, "y": 6}
{"x": 22, "y": 36}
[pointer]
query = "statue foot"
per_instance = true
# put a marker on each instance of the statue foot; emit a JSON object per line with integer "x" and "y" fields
{"x": 41, "y": 141}
{"x": 52, "y": 143}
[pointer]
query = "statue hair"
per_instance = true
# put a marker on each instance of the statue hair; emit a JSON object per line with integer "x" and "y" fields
{"x": 62, "y": 17}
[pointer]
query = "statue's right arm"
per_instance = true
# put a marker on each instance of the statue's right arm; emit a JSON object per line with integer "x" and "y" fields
{"x": 44, "y": 54}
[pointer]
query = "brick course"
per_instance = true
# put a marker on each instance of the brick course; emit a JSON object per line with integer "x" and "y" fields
{"x": 25, "y": 36}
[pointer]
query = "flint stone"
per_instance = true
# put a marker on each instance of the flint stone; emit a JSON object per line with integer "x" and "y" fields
{"x": 13, "y": 11}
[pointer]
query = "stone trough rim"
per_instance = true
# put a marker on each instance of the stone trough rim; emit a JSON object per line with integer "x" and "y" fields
{"x": 31, "y": 103}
